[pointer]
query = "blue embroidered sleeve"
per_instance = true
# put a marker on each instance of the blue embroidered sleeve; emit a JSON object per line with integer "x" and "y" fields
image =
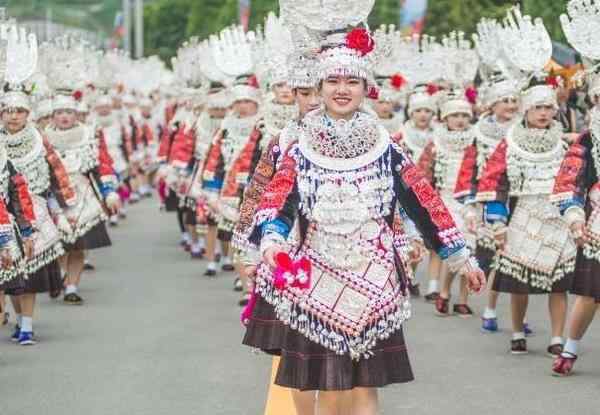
{"x": 494, "y": 212}
{"x": 276, "y": 226}
{"x": 106, "y": 189}
{"x": 574, "y": 201}
{"x": 212, "y": 185}
{"x": 5, "y": 238}
{"x": 25, "y": 232}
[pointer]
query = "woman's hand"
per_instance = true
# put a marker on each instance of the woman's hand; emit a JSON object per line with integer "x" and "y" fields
{"x": 476, "y": 280}
{"x": 417, "y": 252}
{"x": 250, "y": 272}
{"x": 28, "y": 247}
{"x": 270, "y": 254}
{"x": 6, "y": 258}
{"x": 113, "y": 203}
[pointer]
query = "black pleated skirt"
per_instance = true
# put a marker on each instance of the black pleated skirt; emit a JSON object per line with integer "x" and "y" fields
{"x": 306, "y": 365}
{"x": 264, "y": 330}
{"x": 95, "y": 238}
{"x": 507, "y": 284}
{"x": 46, "y": 279}
{"x": 172, "y": 202}
{"x": 15, "y": 286}
{"x": 586, "y": 282}
{"x": 484, "y": 257}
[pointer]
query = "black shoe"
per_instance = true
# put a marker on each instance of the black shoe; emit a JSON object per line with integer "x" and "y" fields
{"x": 244, "y": 301}
{"x": 88, "y": 267}
{"x": 228, "y": 268}
{"x": 414, "y": 290}
{"x": 432, "y": 298}
{"x": 237, "y": 285}
{"x": 210, "y": 273}
{"x": 73, "y": 299}
{"x": 518, "y": 346}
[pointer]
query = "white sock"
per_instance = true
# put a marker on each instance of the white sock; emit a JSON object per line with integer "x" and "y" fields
{"x": 434, "y": 286}
{"x": 196, "y": 248}
{"x": 572, "y": 346}
{"x": 19, "y": 318}
{"x": 226, "y": 260}
{"x": 518, "y": 336}
{"x": 556, "y": 340}
{"x": 489, "y": 313}
{"x": 212, "y": 266}
{"x": 201, "y": 243}
{"x": 27, "y": 324}
{"x": 71, "y": 289}
{"x": 185, "y": 237}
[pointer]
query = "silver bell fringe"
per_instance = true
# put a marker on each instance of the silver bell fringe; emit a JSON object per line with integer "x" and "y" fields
{"x": 591, "y": 250}
{"x": 9, "y": 274}
{"x": 324, "y": 334}
{"x": 533, "y": 277}
{"x": 45, "y": 258}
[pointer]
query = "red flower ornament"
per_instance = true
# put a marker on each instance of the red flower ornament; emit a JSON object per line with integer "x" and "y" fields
{"x": 77, "y": 95}
{"x": 360, "y": 40}
{"x": 398, "y": 81}
{"x": 471, "y": 95}
{"x": 252, "y": 81}
{"x": 373, "y": 93}
{"x": 553, "y": 81}
{"x": 432, "y": 89}
{"x": 291, "y": 273}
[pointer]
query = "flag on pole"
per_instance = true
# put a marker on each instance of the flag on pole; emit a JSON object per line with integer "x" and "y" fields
{"x": 244, "y": 13}
{"x": 118, "y": 31}
{"x": 412, "y": 16}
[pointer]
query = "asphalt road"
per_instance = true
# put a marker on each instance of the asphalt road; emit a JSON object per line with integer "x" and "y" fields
{"x": 156, "y": 337}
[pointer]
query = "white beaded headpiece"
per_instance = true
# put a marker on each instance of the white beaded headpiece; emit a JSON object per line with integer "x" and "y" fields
{"x": 277, "y": 49}
{"x": 321, "y": 26}
{"x": 302, "y": 72}
{"x": 419, "y": 58}
{"x": 581, "y": 26}
{"x": 527, "y": 46}
{"x": 21, "y": 52}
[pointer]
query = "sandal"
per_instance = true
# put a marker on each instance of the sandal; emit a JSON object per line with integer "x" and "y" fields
{"x": 555, "y": 350}
{"x": 563, "y": 365}
{"x": 442, "y": 307}
{"x": 463, "y": 310}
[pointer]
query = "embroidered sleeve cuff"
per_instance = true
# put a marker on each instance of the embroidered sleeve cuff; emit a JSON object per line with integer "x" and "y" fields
{"x": 495, "y": 212}
{"x": 276, "y": 226}
{"x": 269, "y": 241}
{"x": 574, "y": 214}
{"x": 251, "y": 257}
{"x": 26, "y": 232}
{"x": 458, "y": 259}
{"x": 4, "y": 240}
{"x": 565, "y": 205}
{"x": 106, "y": 189}
{"x": 212, "y": 185}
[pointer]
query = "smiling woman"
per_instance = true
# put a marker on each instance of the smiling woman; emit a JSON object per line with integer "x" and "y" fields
{"x": 332, "y": 268}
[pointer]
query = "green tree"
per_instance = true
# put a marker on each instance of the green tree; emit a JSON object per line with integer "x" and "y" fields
{"x": 165, "y": 27}
{"x": 550, "y": 12}
{"x": 444, "y": 16}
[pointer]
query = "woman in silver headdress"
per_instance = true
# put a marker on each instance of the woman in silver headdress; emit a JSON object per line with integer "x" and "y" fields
{"x": 340, "y": 289}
